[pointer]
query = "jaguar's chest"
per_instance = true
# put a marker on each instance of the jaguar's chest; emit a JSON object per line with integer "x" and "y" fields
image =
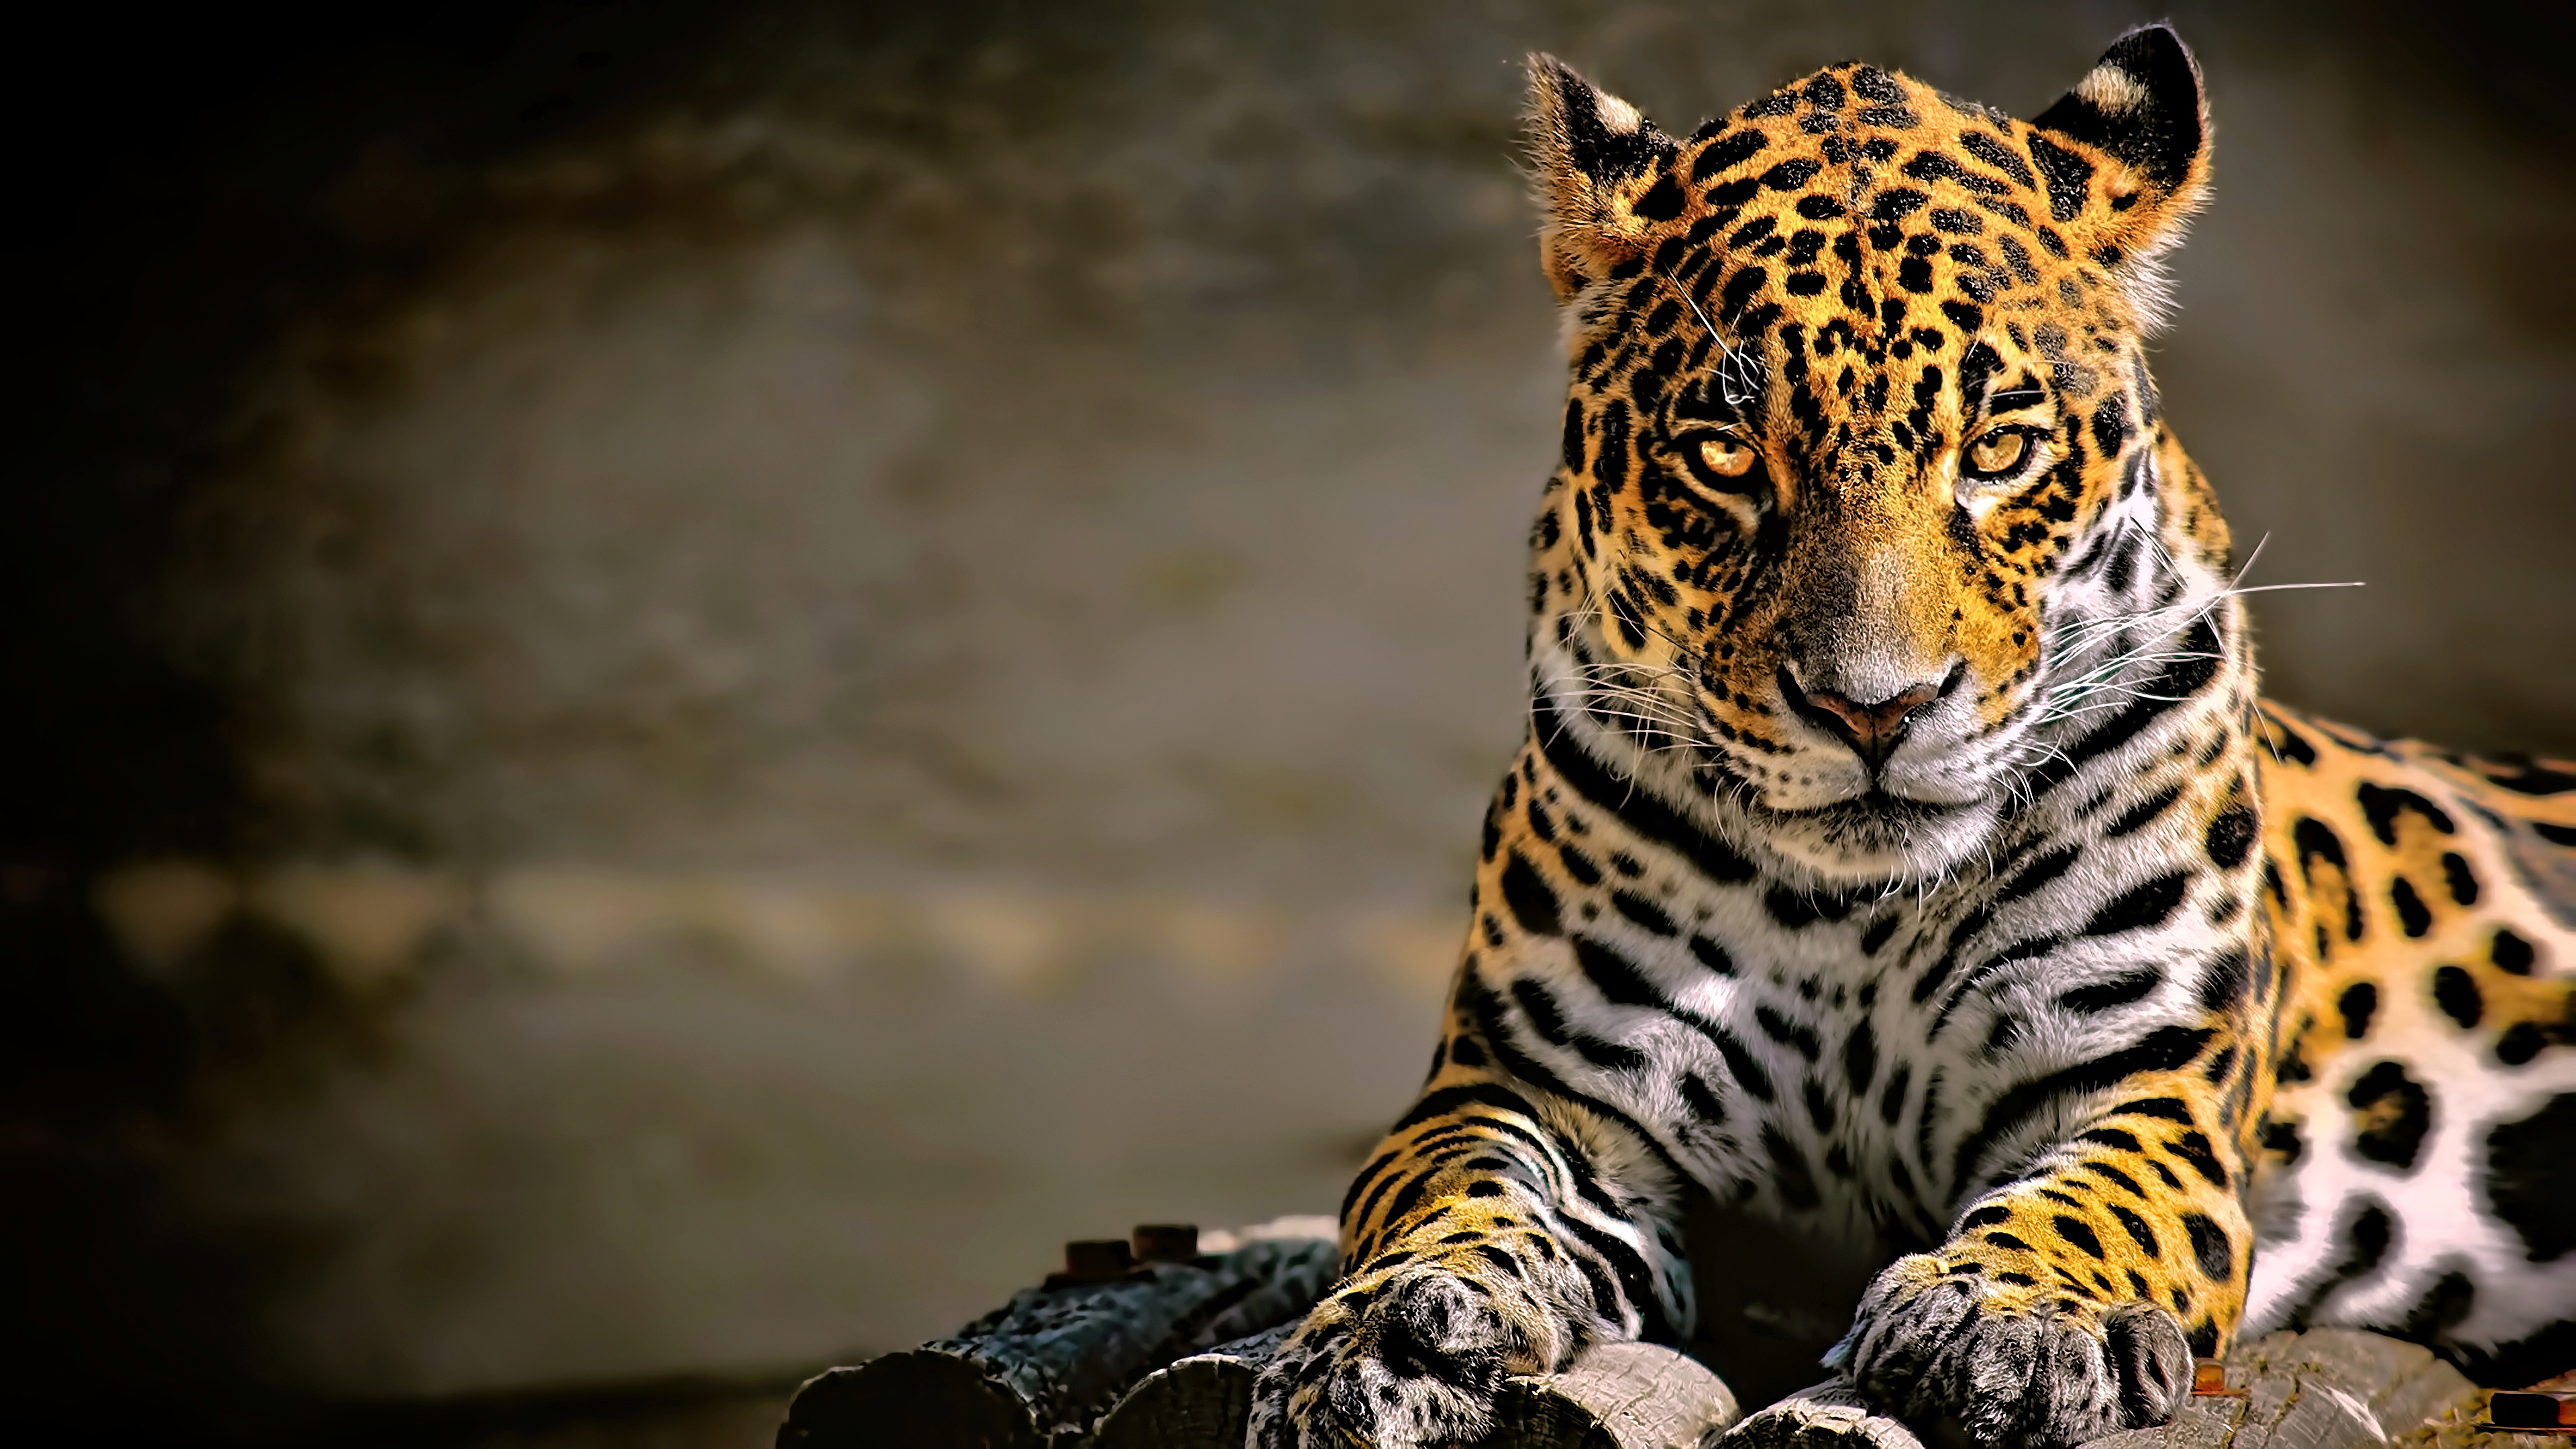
{"x": 1849, "y": 1060}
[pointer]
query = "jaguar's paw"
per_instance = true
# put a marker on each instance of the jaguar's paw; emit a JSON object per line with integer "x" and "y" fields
{"x": 1413, "y": 1360}
{"x": 2012, "y": 1367}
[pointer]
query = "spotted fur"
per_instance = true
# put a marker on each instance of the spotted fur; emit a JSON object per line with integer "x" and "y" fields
{"x": 1900, "y": 851}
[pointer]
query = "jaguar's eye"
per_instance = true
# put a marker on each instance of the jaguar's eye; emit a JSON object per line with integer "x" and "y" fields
{"x": 1725, "y": 457}
{"x": 1997, "y": 453}
{"x": 1724, "y": 469}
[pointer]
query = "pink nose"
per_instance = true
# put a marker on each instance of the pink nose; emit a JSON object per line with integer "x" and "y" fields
{"x": 1872, "y": 730}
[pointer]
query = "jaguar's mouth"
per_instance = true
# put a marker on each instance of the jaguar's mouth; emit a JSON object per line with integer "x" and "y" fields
{"x": 1873, "y": 810}
{"x": 1875, "y": 835}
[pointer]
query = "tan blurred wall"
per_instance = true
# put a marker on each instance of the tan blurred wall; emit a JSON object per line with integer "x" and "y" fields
{"x": 885, "y": 649}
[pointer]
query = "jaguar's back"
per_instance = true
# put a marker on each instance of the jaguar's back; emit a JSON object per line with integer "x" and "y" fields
{"x": 1899, "y": 849}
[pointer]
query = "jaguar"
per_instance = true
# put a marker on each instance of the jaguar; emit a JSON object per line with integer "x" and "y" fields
{"x": 1900, "y": 849}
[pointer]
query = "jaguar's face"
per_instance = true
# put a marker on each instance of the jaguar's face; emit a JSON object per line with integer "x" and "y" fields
{"x": 1859, "y": 438}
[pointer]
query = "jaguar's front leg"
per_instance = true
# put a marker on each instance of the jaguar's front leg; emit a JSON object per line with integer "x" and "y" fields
{"x": 2055, "y": 1311}
{"x": 1491, "y": 1236}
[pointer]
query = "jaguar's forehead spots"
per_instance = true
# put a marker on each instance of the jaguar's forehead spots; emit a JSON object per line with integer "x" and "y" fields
{"x": 1870, "y": 243}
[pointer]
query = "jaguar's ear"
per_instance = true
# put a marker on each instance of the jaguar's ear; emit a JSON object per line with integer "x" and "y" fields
{"x": 1597, "y": 165}
{"x": 2140, "y": 163}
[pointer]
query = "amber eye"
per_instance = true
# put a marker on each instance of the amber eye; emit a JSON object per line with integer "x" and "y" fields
{"x": 1997, "y": 453}
{"x": 1725, "y": 457}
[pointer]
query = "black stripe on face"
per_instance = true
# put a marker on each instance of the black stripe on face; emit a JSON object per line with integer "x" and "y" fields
{"x": 2412, "y": 916}
{"x": 1711, "y": 955}
{"x": 2181, "y": 681}
{"x": 2531, "y": 1177}
{"x": 1617, "y": 978}
{"x": 2462, "y": 881}
{"x": 2108, "y": 1173}
{"x": 2456, "y": 992}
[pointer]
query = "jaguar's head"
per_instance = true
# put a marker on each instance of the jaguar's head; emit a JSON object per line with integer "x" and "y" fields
{"x": 1861, "y": 455}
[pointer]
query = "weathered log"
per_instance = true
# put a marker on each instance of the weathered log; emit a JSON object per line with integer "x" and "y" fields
{"x": 2329, "y": 1388}
{"x": 1615, "y": 1396}
{"x": 1202, "y": 1401}
{"x": 1039, "y": 1372}
{"x": 1827, "y": 1416}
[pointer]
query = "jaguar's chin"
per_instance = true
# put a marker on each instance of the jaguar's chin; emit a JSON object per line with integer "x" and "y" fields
{"x": 1876, "y": 838}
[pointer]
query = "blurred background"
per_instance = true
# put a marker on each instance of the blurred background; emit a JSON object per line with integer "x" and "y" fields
{"x": 684, "y": 679}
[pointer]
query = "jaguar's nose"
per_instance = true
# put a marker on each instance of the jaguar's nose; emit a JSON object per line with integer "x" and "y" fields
{"x": 1872, "y": 730}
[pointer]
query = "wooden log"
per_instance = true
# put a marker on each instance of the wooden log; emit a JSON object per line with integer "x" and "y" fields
{"x": 2329, "y": 1388}
{"x": 1200, "y": 1402}
{"x": 1827, "y": 1416}
{"x": 1039, "y": 1372}
{"x": 1615, "y": 1396}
